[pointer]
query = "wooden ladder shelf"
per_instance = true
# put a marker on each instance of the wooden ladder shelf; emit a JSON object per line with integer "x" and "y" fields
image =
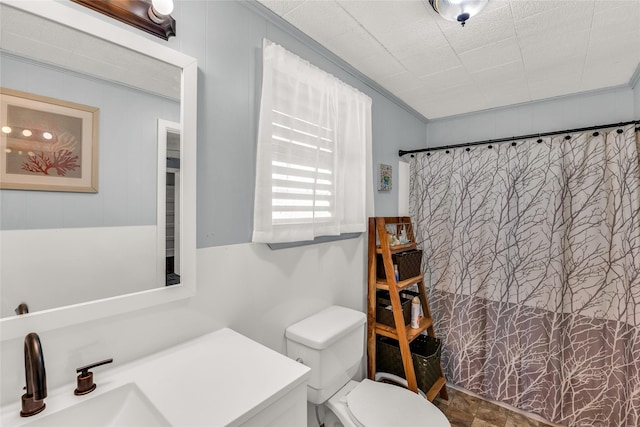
{"x": 379, "y": 244}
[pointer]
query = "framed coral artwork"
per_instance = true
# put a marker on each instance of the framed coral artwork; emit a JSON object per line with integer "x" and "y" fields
{"x": 47, "y": 144}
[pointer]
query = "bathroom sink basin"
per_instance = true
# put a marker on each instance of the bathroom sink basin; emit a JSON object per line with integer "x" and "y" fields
{"x": 124, "y": 406}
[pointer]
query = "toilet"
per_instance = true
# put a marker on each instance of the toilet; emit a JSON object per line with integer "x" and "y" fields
{"x": 331, "y": 343}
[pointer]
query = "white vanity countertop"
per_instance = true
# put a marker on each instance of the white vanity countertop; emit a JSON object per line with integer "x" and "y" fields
{"x": 222, "y": 378}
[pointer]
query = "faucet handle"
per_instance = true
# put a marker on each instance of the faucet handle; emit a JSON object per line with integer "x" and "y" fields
{"x": 85, "y": 379}
{"x": 23, "y": 308}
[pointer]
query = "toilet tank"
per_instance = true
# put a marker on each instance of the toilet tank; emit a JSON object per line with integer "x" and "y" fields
{"x": 331, "y": 343}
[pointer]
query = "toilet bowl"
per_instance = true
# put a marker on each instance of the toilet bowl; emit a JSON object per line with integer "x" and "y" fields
{"x": 331, "y": 343}
{"x": 368, "y": 403}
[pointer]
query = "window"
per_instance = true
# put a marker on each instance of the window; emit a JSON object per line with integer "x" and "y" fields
{"x": 314, "y": 138}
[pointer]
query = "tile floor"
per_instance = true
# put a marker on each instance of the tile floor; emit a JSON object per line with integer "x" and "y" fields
{"x": 465, "y": 410}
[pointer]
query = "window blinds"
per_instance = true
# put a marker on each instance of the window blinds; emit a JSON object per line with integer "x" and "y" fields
{"x": 313, "y": 135}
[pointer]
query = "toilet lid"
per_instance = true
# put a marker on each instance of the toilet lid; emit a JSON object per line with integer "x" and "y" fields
{"x": 379, "y": 404}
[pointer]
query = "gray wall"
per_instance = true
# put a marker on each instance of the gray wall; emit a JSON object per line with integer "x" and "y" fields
{"x": 636, "y": 91}
{"x": 395, "y": 131}
{"x": 248, "y": 287}
{"x": 127, "y": 152}
{"x": 230, "y": 62}
{"x": 569, "y": 112}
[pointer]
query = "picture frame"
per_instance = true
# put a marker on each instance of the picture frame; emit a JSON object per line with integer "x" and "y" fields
{"x": 47, "y": 144}
{"x": 385, "y": 183}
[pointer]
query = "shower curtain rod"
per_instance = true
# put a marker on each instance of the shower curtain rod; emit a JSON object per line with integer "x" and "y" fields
{"x": 514, "y": 138}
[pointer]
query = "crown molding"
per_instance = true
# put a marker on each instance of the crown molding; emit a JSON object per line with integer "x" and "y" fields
{"x": 318, "y": 48}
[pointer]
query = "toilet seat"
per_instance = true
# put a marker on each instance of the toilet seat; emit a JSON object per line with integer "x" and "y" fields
{"x": 370, "y": 403}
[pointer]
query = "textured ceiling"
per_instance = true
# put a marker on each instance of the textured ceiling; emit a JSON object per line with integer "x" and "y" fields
{"x": 514, "y": 51}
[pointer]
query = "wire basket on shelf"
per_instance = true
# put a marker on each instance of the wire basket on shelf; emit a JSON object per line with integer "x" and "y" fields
{"x": 425, "y": 353}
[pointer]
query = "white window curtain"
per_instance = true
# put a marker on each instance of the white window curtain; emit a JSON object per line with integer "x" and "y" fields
{"x": 314, "y": 151}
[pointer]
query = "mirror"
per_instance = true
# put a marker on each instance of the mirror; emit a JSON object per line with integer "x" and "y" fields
{"x": 74, "y": 256}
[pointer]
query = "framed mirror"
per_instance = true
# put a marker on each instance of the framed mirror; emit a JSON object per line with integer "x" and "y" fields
{"x": 78, "y": 256}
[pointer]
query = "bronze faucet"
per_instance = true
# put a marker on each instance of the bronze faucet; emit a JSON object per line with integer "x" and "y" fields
{"x": 33, "y": 399}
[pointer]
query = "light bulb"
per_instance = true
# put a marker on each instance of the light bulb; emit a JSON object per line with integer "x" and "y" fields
{"x": 47, "y": 135}
{"x": 6, "y": 129}
{"x": 27, "y": 133}
{"x": 162, "y": 7}
{"x": 159, "y": 10}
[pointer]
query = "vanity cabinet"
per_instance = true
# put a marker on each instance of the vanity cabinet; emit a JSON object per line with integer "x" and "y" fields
{"x": 219, "y": 379}
{"x": 289, "y": 410}
{"x": 256, "y": 386}
{"x": 226, "y": 379}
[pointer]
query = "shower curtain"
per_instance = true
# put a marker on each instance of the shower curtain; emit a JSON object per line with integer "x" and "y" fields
{"x": 532, "y": 258}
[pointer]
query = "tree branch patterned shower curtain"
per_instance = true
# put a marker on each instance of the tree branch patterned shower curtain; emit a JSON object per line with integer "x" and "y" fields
{"x": 532, "y": 257}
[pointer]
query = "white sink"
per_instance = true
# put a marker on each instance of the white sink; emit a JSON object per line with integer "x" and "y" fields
{"x": 124, "y": 406}
{"x": 161, "y": 390}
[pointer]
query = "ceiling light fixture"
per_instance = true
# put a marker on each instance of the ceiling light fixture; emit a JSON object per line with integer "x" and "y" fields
{"x": 458, "y": 10}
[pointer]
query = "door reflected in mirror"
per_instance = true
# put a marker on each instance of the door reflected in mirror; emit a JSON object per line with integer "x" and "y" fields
{"x": 169, "y": 136}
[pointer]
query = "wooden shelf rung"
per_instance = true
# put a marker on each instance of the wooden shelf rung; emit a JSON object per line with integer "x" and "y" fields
{"x": 435, "y": 388}
{"x": 383, "y": 284}
{"x": 391, "y": 332}
{"x": 425, "y": 323}
{"x": 398, "y": 248}
{"x": 387, "y": 331}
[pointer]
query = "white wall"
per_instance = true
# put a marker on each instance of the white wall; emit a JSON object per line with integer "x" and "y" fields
{"x": 570, "y": 112}
{"x": 248, "y": 287}
{"x": 259, "y": 292}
